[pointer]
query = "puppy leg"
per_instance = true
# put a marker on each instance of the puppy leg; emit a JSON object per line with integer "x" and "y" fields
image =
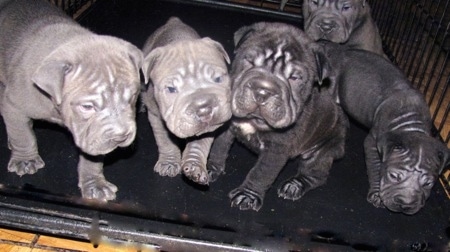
{"x": 373, "y": 164}
{"x": 250, "y": 194}
{"x": 219, "y": 154}
{"x": 25, "y": 158}
{"x": 194, "y": 159}
{"x": 169, "y": 158}
{"x": 311, "y": 173}
{"x": 91, "y": 180}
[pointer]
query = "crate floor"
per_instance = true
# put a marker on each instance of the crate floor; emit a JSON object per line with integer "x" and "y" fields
{"x": 335, "y": 215}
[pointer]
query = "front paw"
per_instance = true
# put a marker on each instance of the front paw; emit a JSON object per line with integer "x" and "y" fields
{"x": 22, "y": 167}
{"x": 292, "y": 189}
{"x": 98, "y": 189}
{"x": 196, "y": 172}
{"x": 246, "y": 199}
{"x": 215, "y": 170}
{"x": 169, "y": 166}
{"x": 373, "y": 197}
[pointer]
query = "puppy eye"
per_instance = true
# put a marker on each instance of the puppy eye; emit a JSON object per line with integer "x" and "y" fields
{"x": 428, "y": 183}
{"x": 87, "y": 107}
{"x": 172, "y": 89}
{"x": 315, "y": 2}
{"x": 346, "y": 7}
{"x": 397, "y": 147}
{"x": 248, "y": 58}
{"x": 218, "y": 79}
{"x": 295, "y": 77}
{"x": 394, "y": 176}
{"x": 440, "y": 156}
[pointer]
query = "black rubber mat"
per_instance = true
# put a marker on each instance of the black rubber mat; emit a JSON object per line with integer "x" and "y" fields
{"x": 179, "y": 215}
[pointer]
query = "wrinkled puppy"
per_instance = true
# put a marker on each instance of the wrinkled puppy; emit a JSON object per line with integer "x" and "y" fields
{"x": 53, "y": 69}
{"x": 279, "y": 114}
{"x": 189, "y": 96}
{"x": 342, "y": 21}
{"x": 403, "y": 160}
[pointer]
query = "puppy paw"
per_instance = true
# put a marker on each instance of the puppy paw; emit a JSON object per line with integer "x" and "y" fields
{"x": 98, "y": 189}
{"x": 168, "y": 167}
{"x": 373, "y": 197}
{"x": 246, "y": 199}
{"x": 214, "y": 171}
{"x": 196, "y": 172}
{"x": 292, "y": 189}
{"x": 22, "y": 167}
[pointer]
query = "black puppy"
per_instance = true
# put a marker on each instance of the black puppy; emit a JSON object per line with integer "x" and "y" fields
{"x": 279, "y": 114}
{"x": 403, "y": 160}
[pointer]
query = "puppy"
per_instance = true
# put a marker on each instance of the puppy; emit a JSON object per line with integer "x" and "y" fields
{"x": 53, "y": 69}
{"x": 403, "y": 160}
{"x": 279, "y": 114}
{"x": 188, "y": 97}
{"x": 346, "y": 22}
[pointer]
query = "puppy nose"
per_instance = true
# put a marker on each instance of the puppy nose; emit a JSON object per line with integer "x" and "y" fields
{"x": 327, "y": 25}
{"x": 120, "y": 135}
{"x": 203, "y": 107}
{"x": 403, "y": 200}
{"x": 262, "y": 91}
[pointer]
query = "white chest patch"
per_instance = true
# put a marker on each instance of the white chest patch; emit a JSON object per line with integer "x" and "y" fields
{"x": 246, "y": 128}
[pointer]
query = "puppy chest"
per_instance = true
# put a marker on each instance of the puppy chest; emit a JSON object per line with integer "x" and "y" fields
{"x": 249, "y": 136}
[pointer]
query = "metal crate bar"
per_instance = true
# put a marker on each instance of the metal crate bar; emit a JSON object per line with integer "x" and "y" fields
{"x": 415, "y": 32}
{"x": 73, "y": 8}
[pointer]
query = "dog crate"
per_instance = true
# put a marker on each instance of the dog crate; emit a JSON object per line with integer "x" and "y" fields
{"x": 174, "y": 214}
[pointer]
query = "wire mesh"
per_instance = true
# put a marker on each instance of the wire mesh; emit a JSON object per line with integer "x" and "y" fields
{"x": 73, "y": 8}
{"x": 415, "y": 33}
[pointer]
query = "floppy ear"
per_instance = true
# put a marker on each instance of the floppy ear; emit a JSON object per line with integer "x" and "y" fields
{"x": 219, "y": 47}
{"x": 322, "y": 65}
{"x": 305, "y": 8}
{"x": 444, "y": 157}
{"x": 241, "y": 35}
{"x": 49, "y": 77}
{"x": 383, "y": 147}
{"x": 136, "y": 57}
{"x": 149, "y": 62}
{"x": 388, "y": 143}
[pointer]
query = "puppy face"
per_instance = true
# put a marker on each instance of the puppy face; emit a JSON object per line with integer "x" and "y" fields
{"x": 95, "y": 85}
{"x": 191, "y": 85}
{"x": 333, "y": 20}
{"x": 410, "y": 168}
{"x": 273, "y": 74}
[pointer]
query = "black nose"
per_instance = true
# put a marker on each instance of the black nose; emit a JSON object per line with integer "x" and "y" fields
{"x": 327, "y": 25}
{"x": 262, "y": 91}
{"x": 403, "y": 200}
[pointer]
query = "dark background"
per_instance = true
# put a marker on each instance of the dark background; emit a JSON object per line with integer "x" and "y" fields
{"x": 335, "y": 216}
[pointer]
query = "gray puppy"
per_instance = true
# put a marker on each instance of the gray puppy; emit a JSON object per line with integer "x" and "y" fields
{"x": 403, "y": 159}
{"x": 279, "y": 114}
{"x": 342, "y": 21}
{"x": 53, "y": 69}
{"x": 189, "y": 96}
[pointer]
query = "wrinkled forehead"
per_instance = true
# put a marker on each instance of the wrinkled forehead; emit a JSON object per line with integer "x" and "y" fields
{"x": 418, "y": 159}
{"x": 106, "y": 78}
{"x": 335, "y": 2}
{"x": 263, "y": 50}
{"x": 189, "y": 57}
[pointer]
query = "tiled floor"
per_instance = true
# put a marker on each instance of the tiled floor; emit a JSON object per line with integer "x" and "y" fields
{"x": 16, "y": 241}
